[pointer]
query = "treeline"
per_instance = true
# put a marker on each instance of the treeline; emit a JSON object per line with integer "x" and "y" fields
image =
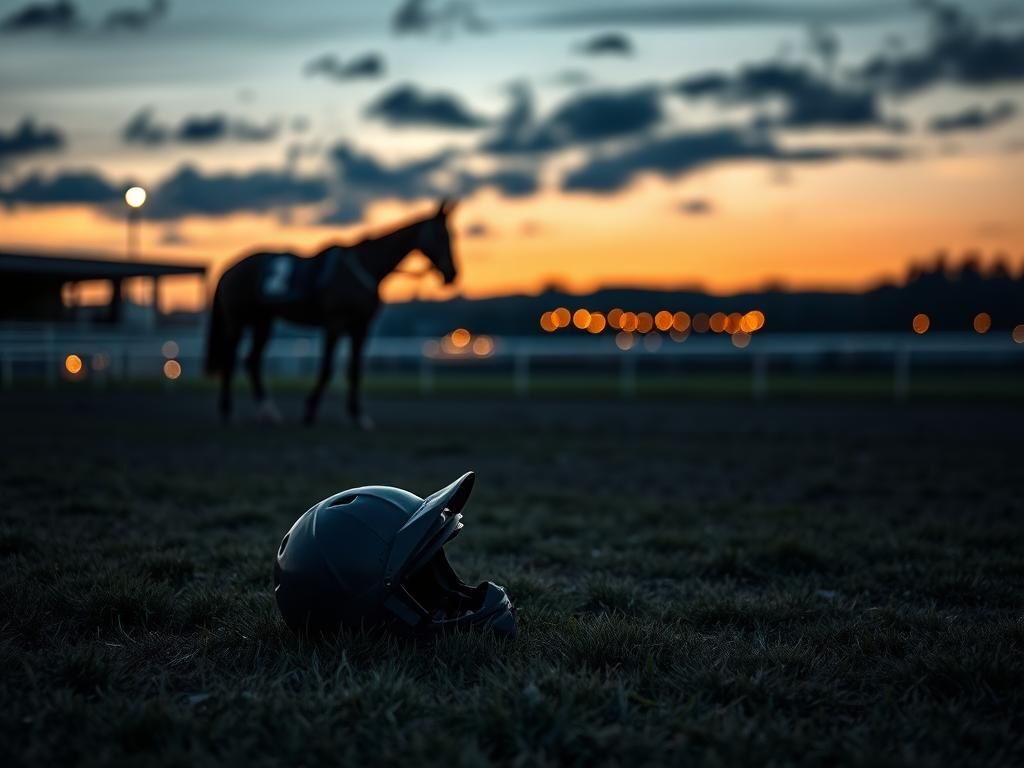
{"x": 951, "y": 292}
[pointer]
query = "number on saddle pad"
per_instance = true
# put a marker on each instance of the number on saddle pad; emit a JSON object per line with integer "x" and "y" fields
{"x": 277, "y": 280}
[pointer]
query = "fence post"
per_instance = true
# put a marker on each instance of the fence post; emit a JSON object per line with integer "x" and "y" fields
{"x": 522, "y": 373}
{"x": 627, "y": 380}
{"x": 760, "y": 376}
{"x": 901, "y": 373}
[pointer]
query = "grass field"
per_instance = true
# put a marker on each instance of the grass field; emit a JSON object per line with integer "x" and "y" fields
{"x": 711, "y": 580}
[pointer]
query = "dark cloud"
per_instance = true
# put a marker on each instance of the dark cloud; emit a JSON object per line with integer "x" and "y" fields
{"x": 510, "y": 182}
{"x": 517, "y": 130}
{"x": 716, "y": 12}
{"x": 67, "y": 187}
{"x": 362, "y": 178}
{"x": 406, "y": 105}
{"x": 185, "y": 192}
{"x": 28, "y": 138}
{"x": 141, "y": 129}
{"x": 958, "y": 52}
{"x": 60, "y": 16}
{"x": 584, "y": 118}
{"x": 195, "y": 129}
{"x": 422, "y": 17}
{"x": 973, "y": 118}
{"x": 608, "y": 44}
{"x": 63, "y": 16}
{"x": 808, "y": 100}
{"x": 696, "y": 207}
{"x": 678, "y": 155}
{"x": 368, "y": 65}
{"x": 188, "y": 191}
{"x": 599, "y": 115}
{"x": 202, "y": 129}
{"x": 136, "y": 19}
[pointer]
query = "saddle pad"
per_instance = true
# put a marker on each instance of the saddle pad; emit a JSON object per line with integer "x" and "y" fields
{"x": 288, "y": 278}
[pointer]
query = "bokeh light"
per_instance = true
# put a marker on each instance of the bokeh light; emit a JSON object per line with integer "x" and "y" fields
{"x": 681, "y": 322}
{"x": 483, "y": 346}
{"x": 135, "y": 197}
{"x": 717, "y": 322}
{"x": 921, "y": 323}
{"x": 561, "y": 317}
{"x": 170, "y": 349}
{"x": 740, "y": 339}
{"x": 172, "y": 369}
{"x": 644, "y": 322}
{"x": 663, "y": 320}
{"x": 73, "y": 364}
{"x": 614, "y": 317}
{"x": 751, "y": 321}
{"x": 732, "y": 322}
{"x": 581, "y": 318}
{"x": 1018, "y": 333}
{"x": 652, "y": 342}
{"x": 679, "y": 336}
{"x": 982, "y": 322}
{"x": 597, "y": 322}
{"x": 547, "y": 322}
{"x": 700, "y": 322}
{"x": 624, "y": 340}
{"x": 628, "y": 322}
{"x": 460, "y": 338}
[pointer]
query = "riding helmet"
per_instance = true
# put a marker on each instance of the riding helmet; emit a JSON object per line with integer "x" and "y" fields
{"x": 374, "y": 556}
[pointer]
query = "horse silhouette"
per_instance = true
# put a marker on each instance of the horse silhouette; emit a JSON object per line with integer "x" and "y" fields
{"x": 337, "y": 290}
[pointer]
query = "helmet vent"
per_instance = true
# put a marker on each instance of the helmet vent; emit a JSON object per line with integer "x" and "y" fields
{"x": 284, "y": 543}
{"x": 343, "y": 500}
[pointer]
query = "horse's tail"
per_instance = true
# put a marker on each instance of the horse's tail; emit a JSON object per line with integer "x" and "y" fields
{"x": 215, "y": 342}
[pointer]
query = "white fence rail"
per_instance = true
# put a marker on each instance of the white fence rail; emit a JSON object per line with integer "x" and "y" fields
{"x": 42, "y": 353}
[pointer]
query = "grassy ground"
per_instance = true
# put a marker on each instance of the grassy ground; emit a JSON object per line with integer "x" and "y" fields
{"x": 710, "y": 580}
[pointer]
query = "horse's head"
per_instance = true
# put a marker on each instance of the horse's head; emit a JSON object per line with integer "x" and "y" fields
{"x": 435, "y": 243}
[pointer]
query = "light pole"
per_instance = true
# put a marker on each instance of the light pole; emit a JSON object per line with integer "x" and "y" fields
{"x": 134, "y": 198}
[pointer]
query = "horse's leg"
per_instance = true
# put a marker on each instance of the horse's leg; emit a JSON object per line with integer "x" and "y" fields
{"x": 232, "y": 335}
{"x": 254, "y": 365}
{"x": 355, "y": 375}
{"x": 326, "y": 368}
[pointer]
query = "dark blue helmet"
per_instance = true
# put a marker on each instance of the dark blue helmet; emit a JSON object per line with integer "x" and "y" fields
{"x": 375, "y": 556}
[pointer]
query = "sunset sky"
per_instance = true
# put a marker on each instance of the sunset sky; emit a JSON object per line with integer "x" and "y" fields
{"x": 712, "y": 142}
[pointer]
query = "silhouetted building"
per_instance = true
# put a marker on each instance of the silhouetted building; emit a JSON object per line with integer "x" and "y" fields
{"x": 32, "y": 286}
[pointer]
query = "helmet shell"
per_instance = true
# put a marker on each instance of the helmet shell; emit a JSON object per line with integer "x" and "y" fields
{"x": 347, "y": 560}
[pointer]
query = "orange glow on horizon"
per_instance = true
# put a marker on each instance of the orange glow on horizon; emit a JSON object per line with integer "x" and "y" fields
{"x": 840, "y": 228}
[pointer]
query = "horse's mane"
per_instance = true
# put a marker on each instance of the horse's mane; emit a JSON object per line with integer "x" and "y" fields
{"x": 374, "y": 236}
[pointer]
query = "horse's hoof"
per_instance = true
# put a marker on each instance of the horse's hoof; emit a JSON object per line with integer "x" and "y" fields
{"x": 268, "y": 413}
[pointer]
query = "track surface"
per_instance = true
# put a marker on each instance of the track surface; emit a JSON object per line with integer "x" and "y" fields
{"x": 722, "y": 581}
